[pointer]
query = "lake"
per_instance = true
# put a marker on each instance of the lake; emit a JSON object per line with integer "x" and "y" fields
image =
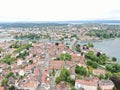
{"x": 110, "y": 47}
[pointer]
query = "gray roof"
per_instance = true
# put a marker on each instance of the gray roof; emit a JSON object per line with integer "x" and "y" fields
{"x": 105, "y": 82}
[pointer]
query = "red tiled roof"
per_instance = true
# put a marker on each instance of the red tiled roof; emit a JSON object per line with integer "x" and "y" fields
{"x": 62, "y": 86}
{"x": 99, "y": 71}
{"x": 36, "y": 71}
{"x": 44, "y": 76}
{"x": 30, "y": 84}
{"x": 2, "y": 88}
{"x": 87, "y": 82}
{"x": 56, "y": 64}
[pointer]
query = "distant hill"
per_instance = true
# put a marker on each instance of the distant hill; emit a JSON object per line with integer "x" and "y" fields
{"x": 45, "y": 23}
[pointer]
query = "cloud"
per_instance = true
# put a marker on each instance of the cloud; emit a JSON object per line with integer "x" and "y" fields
{"x": 54, "y": 10}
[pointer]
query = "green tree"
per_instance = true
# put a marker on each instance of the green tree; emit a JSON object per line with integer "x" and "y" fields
{"x": 64, "y": 74}
{"x": 73, "y": 88}
{"x": 57, "y": 80}
{"x": 4, "y": 82}
{"x": 10, "y": 74}
{"x": 90, "y": 44}
{"x": 114, "y": 59}
{"x": 12, "y": 88}
{"x": 108, "y": 75}
{"x": 101, "y": 76}
{"x": 8, "y": 59}
{"x": 80, "y": 70}
{"x": 65, "y": 56}
{"x": 31, "y": 61}
{"x": 1, "y": 50}
{"x": 77, "y": 48}
{"x": 53, "y": 72}
{"x": 92, "y": 64}
{"x": 114, "y": 68}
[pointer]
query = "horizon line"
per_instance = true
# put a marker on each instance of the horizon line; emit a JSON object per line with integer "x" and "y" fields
{"x": 49, "y": 21}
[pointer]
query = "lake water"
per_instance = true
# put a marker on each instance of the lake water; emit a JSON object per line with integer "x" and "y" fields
{"x": 110, "y": 47}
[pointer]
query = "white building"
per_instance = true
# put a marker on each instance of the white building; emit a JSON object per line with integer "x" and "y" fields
{"x": 86, "y": 85}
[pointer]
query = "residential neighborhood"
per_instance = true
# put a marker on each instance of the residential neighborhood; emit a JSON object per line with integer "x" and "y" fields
{"x": 53, "y": 60}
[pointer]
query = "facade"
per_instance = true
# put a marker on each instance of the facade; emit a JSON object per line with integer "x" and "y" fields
{"x": 86, "y": 85}
{"x": 106, "y": 85}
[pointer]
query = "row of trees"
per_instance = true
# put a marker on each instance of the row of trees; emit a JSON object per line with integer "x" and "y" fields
{"x": 15, "y": 45}
{"x": 92, "y": 64}
{"x": 5, "y": 81}
{"x": 103, "y": 34}
{"x": 8, "y": 59}
{"x": 22, "y": 47}
{"x": 114, "y": 68}
{"x": 30, "y": 36}
{"x": 23, "y": 55}
{"x": 98, "y": 58}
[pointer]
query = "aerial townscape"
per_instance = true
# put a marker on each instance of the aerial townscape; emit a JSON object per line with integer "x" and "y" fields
{"x": 57, "y": 56}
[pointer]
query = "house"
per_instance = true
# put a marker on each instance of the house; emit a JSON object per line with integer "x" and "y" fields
{"x": 2, "y": 88}
{"x": 62, "y": 86}
{"x": 28, "y": 85}
{"x": 57, "y": 65}
{"x": 21, "y": 72}
{"x": 11, "y": 81}
{"x": 45, "y": 78}
{"x": 106, "y": 85}
{"x": 31, "y": 85}
{"x": 86, "y": 84}
{"x": 99, "y": 71}
{"x": 19, "y": 62}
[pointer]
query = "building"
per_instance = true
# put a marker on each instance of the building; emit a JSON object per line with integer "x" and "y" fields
{"x": 106, "y": 85}
{"x": 62, "y": 86}
{"x": 86, "y": 84}
{"x": 99, "y": 71}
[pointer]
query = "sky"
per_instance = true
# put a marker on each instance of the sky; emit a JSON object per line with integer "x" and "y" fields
{"x": 59, "y": 10}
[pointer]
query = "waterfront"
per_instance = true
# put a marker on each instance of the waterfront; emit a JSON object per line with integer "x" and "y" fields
{"x": 110, "y": 47}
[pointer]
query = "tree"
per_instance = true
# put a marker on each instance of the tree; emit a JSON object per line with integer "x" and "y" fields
{"x": 12, "y": 88}
{"x": 57, "y": 80}
{"x": 31, "y": 61}
{"x": 56, "y": 43}
{"x": 10, "y": 74}
{"x": 101, "y": 76}
{"x": 114, "y": 68}
{"x": 116, "y": 81}
{"x": 108, "y": 75}
{"x": 8, "y": 59}
{"x": 4, "y": 82}
{"x": 98, "y": 54}
{"x": 92, "y": 64}
{"x": 53, "y": 72}
{"x": 1, "y": 50}
{"x": 114, "y": 59}
{"x": 64, "y": 74}
{"x": 34, "y": 55}
{"x": 90, "y": 44}
{"x": 77, "y": 48}
{"x": 65, "y": 56}
{"x": 73, "y": 88}
{"x": 80, "y": 70}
